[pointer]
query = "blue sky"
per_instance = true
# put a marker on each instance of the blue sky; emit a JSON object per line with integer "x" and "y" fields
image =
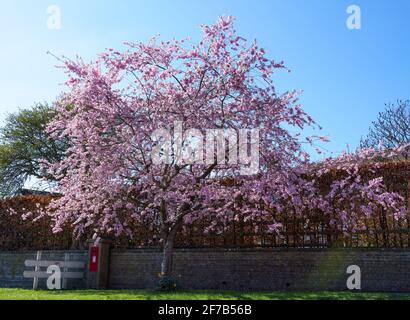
{"x": 346, "y": 75}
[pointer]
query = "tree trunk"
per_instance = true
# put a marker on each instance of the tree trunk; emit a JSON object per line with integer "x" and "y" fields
{"x": 167, "y": 258}
{"x": 168, "y": 251}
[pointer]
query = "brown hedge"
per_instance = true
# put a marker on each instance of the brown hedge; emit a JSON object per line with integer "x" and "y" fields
{"x": 19, "y": 234}
{"x": 381, "y": 230}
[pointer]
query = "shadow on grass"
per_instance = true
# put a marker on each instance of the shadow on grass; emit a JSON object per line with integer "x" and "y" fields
{"x": 21, "y": 294}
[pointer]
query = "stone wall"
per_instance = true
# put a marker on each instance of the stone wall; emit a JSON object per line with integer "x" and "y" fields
{"x": 238, "y": 269}
{"x": 265, "y": 269}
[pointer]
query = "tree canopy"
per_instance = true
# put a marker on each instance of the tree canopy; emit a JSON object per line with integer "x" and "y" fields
{"x": 137, "y": 121}
{"x": 26, "y": 148}
{"x": 391, "y": 128}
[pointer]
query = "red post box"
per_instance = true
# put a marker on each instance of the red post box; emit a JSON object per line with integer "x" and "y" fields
{"x": 93, "y": 262}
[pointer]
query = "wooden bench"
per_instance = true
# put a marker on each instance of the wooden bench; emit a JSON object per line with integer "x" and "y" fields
{"x": 65, "y": 265}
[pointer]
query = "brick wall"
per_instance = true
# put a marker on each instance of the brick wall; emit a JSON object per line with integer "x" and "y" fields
{"x": 12, "y": 268}
{"x": 240, "y": 269}
{"x": 265, "y": 269}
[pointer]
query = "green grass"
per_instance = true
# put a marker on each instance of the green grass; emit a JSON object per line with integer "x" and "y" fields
{"x": 22, "y": 294}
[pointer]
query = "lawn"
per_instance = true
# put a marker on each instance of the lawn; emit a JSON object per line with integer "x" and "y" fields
{"x": 22, "y": 294}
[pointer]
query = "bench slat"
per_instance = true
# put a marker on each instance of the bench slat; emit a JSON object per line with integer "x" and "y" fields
{"x": 44, "y": 275}
{"x": 61, "y": 264}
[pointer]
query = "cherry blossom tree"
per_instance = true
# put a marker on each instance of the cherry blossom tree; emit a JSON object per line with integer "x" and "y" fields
{"x": 139, "y": 124}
